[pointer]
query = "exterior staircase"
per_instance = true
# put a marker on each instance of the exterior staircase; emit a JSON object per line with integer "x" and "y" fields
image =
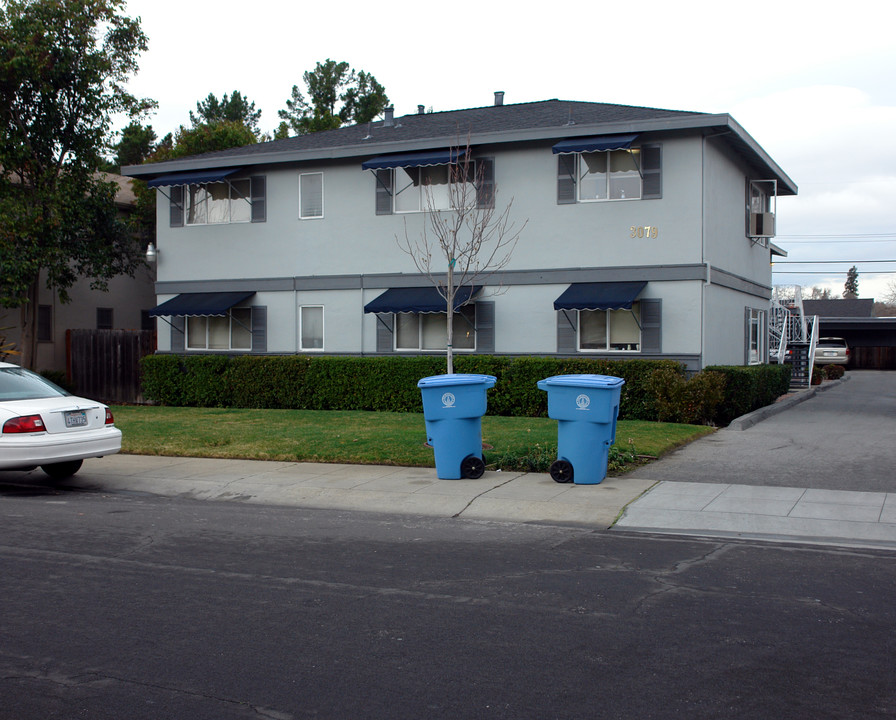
{"x": 792, "y": 334}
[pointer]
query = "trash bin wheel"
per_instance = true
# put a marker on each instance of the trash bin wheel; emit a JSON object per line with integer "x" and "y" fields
{"x": 472, "y": 467}
{"x": 561, "y": 471}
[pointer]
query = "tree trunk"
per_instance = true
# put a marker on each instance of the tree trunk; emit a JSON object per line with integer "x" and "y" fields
{"x": 28, "y": 325}
{"x": 450, "y": 315}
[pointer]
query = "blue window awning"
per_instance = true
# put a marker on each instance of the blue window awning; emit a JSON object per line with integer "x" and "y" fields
{"x": 418, "y": 300}
{"x": 415, "y": 159}
{"x": 193, "y": 304}
{"x": 191, "y": 178}
{"x": 599, "y": 296}
{"x": 595, "y": 144}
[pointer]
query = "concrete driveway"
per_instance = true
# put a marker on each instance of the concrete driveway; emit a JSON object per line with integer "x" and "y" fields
{"x": 842, "y": 439}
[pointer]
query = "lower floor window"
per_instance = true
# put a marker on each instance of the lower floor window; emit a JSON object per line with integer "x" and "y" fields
{"x": 231, "y": 332}
{"x": 756, "y": 336}
{"x": 311, "y": 331}
{"x": 610, "y": 330}
{"x": 429, "y": 331}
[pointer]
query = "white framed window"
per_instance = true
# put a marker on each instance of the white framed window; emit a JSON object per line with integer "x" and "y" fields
{"x": 756, "y": 336}
{"x": 609, "y": 175}
{"x": 311, "y": 196}
{"x": 229, "y": 201}
{"x": 231, "y": 332}
{"x": 311, "y": 327}
{"x": 418, "y": 189}
{"x": 429, "y": 331}
{"x": 610, "y": 330}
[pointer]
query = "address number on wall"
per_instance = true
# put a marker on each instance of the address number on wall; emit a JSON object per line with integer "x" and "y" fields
{"x": 644, "y": 231}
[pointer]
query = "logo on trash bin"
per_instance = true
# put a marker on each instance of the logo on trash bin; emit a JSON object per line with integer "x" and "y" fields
{"x": 583, "y": 401}
{"x": 448, "y": 400}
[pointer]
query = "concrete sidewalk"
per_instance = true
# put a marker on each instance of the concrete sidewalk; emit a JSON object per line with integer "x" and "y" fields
{"x": 506, "y": 496}
{"x": 855, "y": 519}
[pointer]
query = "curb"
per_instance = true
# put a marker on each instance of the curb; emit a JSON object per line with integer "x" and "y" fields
{"x": 744, "y": 422}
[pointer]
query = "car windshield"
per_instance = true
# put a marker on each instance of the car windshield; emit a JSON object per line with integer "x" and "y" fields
{"x": 831, "y": 342}
{"x": 20, "y": 384}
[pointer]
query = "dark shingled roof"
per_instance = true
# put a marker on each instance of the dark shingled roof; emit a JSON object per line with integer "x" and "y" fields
{"x": 546, "y": 120}
{"x": 859, "y": 307}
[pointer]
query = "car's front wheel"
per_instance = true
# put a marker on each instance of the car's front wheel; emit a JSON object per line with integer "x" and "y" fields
{"x": 62, "y": 470}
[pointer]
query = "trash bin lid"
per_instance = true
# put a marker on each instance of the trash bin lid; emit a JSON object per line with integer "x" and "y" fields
{"x": 583, "y": 380}
{"x": 457, "y": 379}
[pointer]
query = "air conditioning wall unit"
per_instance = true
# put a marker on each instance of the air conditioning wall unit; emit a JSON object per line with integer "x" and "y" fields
{"x": 762, "y": 224}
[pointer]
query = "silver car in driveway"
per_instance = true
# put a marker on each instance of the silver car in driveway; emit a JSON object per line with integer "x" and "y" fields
{"x": 831, "y": 351}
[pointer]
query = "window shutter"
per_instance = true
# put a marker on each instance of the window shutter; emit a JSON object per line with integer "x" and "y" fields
{"x": 651, "y": 325}
{"x": 651, "y": 172}
{"x": 567, "y": 331}
{"x": 178, "y": 332}
{"x": 176, "y": 206}
{"x": 384, "y": 324}
{"x": 259, "y": 328}
{"x": 384, "y": 192}
{"x": 485, "y": 327}
{"x": 259, "y": 200}
{"x": 566, "y": 179}
{"x": 485, "y": 178}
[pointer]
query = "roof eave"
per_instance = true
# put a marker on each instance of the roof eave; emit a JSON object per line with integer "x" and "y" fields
{"x": 703, "y": 122}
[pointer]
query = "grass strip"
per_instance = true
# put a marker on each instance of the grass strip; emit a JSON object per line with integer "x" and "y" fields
{"x": 365, "y": 438}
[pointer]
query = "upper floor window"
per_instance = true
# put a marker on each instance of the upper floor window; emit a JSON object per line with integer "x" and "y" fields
{"x": 419, "y": 188}
{"x": 601, "y": 175}
{"x": 220, "y": 202}
{"x": 224, "y": 201}
{"x": 311, "y": 195}
{"x": 104, "y": 318}
{"x": 230, "y": 332}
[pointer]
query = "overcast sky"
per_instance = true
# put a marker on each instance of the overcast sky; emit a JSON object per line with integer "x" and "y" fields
{"x": 813, "y": 82}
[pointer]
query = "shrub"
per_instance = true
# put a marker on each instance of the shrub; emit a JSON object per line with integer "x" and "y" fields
{"x": 694, "y": 402}
{"x": 817, "y": 375}
{"x": 833, "y": 372}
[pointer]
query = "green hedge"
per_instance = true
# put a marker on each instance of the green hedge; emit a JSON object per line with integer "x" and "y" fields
{"x": 750, "y": 388}
{"x": 390, "y": 383}
{"x": 376, "y": 383}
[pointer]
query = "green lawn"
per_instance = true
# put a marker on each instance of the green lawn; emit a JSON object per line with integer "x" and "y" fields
{"x": 367, "y": 438}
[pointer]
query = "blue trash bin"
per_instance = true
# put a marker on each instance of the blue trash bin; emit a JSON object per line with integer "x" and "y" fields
{"x": 586, "y": 408}
{"x": 453, "y": 406}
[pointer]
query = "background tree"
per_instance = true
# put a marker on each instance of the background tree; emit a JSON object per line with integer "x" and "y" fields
{"x": 337, "y": 95}
{"x": 63, "y": 67}
{"x": 851, "y": 287}
{"x": 234, "y": 108}
{"x": 466, "y": 244}
{"x": 137, "y": 143}
{"x": 821, "y": 293}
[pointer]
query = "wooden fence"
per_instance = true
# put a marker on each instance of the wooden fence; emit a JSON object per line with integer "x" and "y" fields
{"x": 105, "y": 364}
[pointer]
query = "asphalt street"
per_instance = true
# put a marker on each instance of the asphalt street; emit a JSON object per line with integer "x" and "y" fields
{"x": 138, "y": 606}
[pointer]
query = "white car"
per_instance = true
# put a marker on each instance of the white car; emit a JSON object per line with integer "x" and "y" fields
{"x": 43, "y": 425}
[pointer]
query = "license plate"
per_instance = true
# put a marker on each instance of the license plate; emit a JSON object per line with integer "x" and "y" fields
{"x": 830, "y": 354}
{"x": 75, "y": 418}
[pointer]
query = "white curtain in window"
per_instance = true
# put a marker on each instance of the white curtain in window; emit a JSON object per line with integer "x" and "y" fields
{"x": 312, "y": 328}
{"x": 407, "y": 331}
{"x": 624, "y": 331}
{"x": 240, "y": 201}
{"x": 219, "y": 333}
{"x": 197, "y": 205}
{"x": 218, "y": 195}
{"x": 241, "y": 329}
{"x": 593, "y": 329}
{"x": 196, "y": 328}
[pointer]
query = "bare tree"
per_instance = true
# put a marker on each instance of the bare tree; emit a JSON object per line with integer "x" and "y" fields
{"x": 465, "y": 239}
